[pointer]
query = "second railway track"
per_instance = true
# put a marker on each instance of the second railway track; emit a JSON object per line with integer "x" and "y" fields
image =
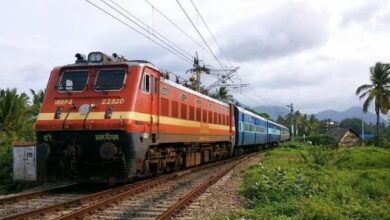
{"x": 28, "y": 200}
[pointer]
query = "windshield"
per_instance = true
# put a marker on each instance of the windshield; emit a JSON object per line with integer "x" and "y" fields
{"x": 110, "y": 80}
{"x": 73, "y": 81}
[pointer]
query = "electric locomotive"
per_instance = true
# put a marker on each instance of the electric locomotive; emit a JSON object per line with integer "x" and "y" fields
{"x": 109, "y": 118}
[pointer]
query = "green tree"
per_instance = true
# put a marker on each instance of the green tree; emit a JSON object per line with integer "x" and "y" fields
{"x": 264, "y": 115}
{"x": 223, "y": 94}
{"x": 37, "y": 99}
{"x": 14, "y": 112}
{"x": 355, "y": 124}
{"x": 14, "y": 122}
{"x": 313, "y": 124}
{"x": 377, "y": 91}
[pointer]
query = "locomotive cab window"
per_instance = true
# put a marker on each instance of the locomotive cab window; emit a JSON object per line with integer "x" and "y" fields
{"x": 110, "y": 80}
{"x": 73, "y": 81}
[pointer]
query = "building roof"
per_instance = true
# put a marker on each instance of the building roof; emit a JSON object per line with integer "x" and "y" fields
{"x": 338, "y": 133}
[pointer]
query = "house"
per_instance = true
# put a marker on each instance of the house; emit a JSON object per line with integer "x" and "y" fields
{"x": 344, "y": 137}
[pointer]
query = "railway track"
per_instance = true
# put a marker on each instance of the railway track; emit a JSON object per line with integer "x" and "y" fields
{"x": 161, "y": 197}
{"x": 167, "y": 199}
{"x": 20, "y": 202}
{"x": 173, "y": 210}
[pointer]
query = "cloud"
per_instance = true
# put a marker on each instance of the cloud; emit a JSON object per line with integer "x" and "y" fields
{"x": 372, "y": 15}
{"x": 362, "y": 13}
{"x": 289, "y": 29}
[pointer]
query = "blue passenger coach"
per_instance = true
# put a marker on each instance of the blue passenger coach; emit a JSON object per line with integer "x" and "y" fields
{"x": 284, "y": 133}
{"x": 274, "y": 132}
{"x": 251, "y": 129}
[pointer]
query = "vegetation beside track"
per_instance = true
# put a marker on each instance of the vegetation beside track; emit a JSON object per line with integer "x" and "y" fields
{"x": 316, "y": 182}
{"x": 17, "y": 116}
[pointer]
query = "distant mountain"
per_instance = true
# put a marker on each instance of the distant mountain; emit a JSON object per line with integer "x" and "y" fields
{"x": 273, "y": 111}
{"x": 353, "y": 112}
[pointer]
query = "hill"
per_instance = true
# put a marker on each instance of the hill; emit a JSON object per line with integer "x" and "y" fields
{"x": 353, "y": 112}
{"x": 273, "y": 111}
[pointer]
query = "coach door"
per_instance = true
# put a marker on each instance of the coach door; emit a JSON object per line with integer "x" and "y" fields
{"x": 154, "y": 103}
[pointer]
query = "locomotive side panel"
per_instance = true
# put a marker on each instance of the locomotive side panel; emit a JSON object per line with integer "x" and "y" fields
{"x": 188, "y": 117}
{"x": 192, "y": 129}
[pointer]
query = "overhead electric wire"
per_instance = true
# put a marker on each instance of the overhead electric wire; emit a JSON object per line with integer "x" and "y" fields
{"x": 200, "y": 35}
{"x": 178, "y": 27}
{"x": 227, "y": 76}
{"x": 211, "y": 33}
{"x": 145, "y": 29}
{"x": 154, "y": 31}
{"x": 139, "y": 32}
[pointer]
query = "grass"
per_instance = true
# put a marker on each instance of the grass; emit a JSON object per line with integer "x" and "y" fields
{"x": 312, "y": 182}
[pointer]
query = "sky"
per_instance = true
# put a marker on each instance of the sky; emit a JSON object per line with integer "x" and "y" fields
{"x": 310, "y": 53}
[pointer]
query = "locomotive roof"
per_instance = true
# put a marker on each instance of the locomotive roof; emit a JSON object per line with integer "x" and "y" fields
{"x": 183, "y": 88}
{"x": 129, "y": 63}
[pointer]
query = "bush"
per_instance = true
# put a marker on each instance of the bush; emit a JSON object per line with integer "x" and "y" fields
{"x": 322, "y": 139}
{"x": 317, "y": 182}
{"x": 5, "y": 164}
{"x": 321, "y": 156}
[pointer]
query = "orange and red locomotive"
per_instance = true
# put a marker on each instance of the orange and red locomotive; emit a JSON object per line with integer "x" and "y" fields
{"x": 106, "y": 117}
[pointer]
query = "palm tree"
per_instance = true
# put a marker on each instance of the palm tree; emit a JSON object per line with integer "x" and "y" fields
{"x": 14, "y": 112}
{"x": 223, "y": 94}
{"x": 37, "y": 99}
{"x": 377, "y": 91}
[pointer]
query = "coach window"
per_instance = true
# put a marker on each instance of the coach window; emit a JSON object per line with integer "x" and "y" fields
{"x": 192, "y": 113}
{"x": 210, "y": 117}
{"x": 246, "y": 127}
{"x": 204, "y": 116}
{"x": 183, "y": 111}
{"x": 198, "y": 114}
{"x": 175, "y": 109}
{"x": 73, "y": 81}
{"x": 146, "y": 83}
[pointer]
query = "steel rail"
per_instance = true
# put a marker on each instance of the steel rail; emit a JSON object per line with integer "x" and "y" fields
{"x": 190, "y": 196}
{"x": 99, "y": 200}
{"x": 84, "y": 199}
{"x": 143, "y": 187}
{"x": 32, "y": 194}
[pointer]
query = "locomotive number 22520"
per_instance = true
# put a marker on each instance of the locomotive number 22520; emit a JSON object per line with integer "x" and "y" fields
{"x": 112, "y": 101}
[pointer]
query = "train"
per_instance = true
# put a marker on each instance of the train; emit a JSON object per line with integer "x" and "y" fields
{"x": 106, "y": 118}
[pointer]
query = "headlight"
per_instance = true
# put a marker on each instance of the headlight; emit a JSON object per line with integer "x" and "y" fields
{"x": 108, "y": 114}
{"x": 95, "y": 57}
{"x": 107, "y": 150}
{"x": 58, "y": 113}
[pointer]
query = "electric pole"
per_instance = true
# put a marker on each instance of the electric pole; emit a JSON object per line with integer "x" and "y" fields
{"x": 291, "y": 107}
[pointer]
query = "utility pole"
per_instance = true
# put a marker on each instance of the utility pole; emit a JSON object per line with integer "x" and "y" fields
{"x": 291, "y": 107}
{"x": 196, "y": 71}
